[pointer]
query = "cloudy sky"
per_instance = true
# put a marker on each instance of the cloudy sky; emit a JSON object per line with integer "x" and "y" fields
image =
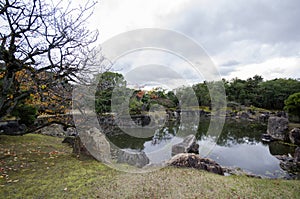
{"x": 242, "y": 38}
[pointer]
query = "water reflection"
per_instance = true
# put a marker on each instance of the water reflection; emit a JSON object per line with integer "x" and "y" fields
{"x": 239, "y": 145}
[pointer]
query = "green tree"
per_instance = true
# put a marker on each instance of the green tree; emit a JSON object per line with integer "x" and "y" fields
{"x": 107, "y": 82}
{"x": 275, "y": 91}
{"x": 292, "y": 104}
{"x": 202, "y": 93}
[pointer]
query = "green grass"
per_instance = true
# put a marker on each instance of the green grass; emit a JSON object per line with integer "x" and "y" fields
{"x": 294, "y": 125}
{"x": 36, "y": 166}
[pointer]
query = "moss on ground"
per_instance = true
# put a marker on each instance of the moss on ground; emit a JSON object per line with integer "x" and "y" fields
{"x": 293, "y": 125}
{"x": 37, "y": 166}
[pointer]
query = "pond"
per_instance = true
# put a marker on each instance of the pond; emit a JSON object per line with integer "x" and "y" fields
{"x": 239, "y": 145}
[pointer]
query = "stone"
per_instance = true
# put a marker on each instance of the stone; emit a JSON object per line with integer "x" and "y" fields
{"x": 70, "y": 140}
{"x": 71, "y": 131}
{"x": 95, "y": 143}
{"x": 294, "y": 136}
{"x": 266, "y": 138}
{"x": 78, "y": 147}
{"x": 281, "y": 114}
{"x": 12, "y": 128}
{"x": 55, "y": 130}
{"x": 278, "y": 128}
{"x": 138, "y": 159}
{"x": 263, "y": 117}
{"x": 192, "y": 160}
{"x": 289, "y": 163}
{"x": 239, "y": 172}
{"x": 297, "y": 155}
{"x": 244, "y": 116}
{"x": 188, "y": 145}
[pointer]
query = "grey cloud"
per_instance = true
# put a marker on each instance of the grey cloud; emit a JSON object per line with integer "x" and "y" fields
{"x": 230, "y": 63}
{"x": 226, "y": 68}
{"x": 221, "y": 23}
{"x": 151, "y": 74}
{"x": 225, "y": 71}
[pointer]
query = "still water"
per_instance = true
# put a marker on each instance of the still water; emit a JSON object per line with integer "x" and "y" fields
{"x": 239, "y": 145}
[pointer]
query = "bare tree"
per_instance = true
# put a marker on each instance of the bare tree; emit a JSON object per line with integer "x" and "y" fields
{"x": 48, "y": 43}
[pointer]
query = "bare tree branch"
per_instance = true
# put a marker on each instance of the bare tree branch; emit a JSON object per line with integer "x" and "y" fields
{"x": 46, "y": 41}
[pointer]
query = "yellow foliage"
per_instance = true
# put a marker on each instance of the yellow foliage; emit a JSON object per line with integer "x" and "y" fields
{"x": 2, "y": 75}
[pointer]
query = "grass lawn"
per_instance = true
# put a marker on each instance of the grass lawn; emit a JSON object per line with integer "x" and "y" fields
{"x": 37, "y": 166}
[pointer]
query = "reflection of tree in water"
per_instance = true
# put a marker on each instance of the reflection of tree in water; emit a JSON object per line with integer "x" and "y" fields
{"x": 241, "y": 132}
{"x": 279, "y": 148}
{"x": 233, "y": 133}
{"x": 167, "y": 132}
{"x": 125, "y": 141}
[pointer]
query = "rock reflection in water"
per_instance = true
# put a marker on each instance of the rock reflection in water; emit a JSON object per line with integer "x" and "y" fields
{"x": 239, "y": 145}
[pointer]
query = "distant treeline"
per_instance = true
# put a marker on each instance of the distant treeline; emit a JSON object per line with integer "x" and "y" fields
{"x": 256, "y": 92}
{"x": 269, "y": 94}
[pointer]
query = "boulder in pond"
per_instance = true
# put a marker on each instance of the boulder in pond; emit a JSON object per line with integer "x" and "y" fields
{"x": 188, "y": 145}
{"x": 195, "y": 161}
{"x": 278, "y": 128}
{"x": 294, "y": 136}
{"x": 266, "y": 138}
{"x": 290, "y": 163}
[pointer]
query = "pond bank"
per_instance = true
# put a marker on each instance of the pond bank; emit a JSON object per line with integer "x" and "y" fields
{"x": 37, "y": 166}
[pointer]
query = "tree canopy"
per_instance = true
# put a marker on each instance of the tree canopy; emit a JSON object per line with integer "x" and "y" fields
{"x": 292, "y": 104}
{"x": 253, "y": 91}
{"x": 139, "y": 101}
{"x": 43, "y": 46}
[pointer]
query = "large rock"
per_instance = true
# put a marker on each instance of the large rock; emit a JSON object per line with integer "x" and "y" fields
{"x": 71, "y": 131}
{"x": 244, "y": 116}
{"x": 138, "y": 159}
{"x": 12, "y": 128}
{"x": 195, "y": 161}
{"x": 95, "y": 142}
{"x": 188, "y": 145}
{"x": 91, "y": 143}
{"x": 55, "y": 130}
{"x": 79, "y": 147}
{"x": 278, "y": 128}
{"x": 294, "y": 136}
{"x": 239, "y": 172}
{"x": 263, "y": 117}
{"x": 289, "y": 163}
{"x": 297, "y": 155}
